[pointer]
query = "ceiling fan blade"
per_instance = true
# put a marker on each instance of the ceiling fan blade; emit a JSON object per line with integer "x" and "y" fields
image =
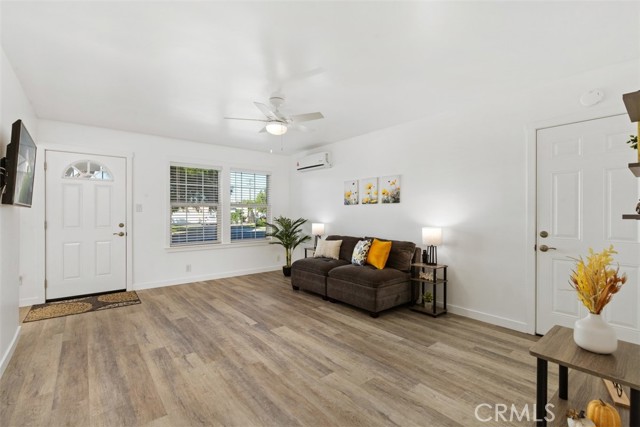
{"x": 241, "y": 118}
{"x": 280, "y": 116}
{"x": 266, "y": 110}
{"x": 263, "y": 130}
{"x": 307, "y": 117}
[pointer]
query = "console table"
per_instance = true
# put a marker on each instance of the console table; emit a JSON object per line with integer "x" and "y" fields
{"x": 557, "y": 346}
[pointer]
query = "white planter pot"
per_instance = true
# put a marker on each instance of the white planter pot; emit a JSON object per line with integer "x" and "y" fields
{"x": 593, "y": 333}
{"x": 581, "y": 422}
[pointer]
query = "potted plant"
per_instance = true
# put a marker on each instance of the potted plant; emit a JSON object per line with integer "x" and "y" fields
{"x": 596, "y": 283}
{"x": 427, "y": 298}
{"x": 288, "y": 233}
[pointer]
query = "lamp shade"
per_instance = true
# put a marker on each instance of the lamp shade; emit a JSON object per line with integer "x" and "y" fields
{"x": 317, "y": 229}
{"x": 432, "y": 236}
{"x": 276, "y": 128}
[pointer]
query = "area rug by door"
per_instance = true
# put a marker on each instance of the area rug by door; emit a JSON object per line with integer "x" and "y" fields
{"x": 81, "y": 305}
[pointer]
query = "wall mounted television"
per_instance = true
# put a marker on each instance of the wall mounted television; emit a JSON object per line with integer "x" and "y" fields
{"x": 19, "y": 167}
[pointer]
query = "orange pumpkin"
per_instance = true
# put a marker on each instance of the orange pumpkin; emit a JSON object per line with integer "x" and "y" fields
{"x": 603, "y": 414}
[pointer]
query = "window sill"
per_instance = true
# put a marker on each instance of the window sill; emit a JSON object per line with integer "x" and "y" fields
{"x": 216, "y": 246}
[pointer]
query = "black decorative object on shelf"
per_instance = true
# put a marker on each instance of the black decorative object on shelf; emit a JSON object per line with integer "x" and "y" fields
{"x": 431, "y": 237}
{"x": 430, "y": 255}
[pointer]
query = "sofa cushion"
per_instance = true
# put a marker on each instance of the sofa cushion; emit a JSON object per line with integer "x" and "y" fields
{"x": 348, "y": 244}
{"x": 320, "y": 266}
{"x": 369, "y": 276}
{"x": 360, "y": 252}
{"x": 401, "y": 255}
{"x": 328, "y": 249}
{"x": 379, "y": 253}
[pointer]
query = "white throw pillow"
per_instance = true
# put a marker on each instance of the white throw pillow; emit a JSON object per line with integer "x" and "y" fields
{"x": 328, "y": 249}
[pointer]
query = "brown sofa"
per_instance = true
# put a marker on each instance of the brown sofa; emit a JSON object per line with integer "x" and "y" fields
{"x": 365, "y": 287}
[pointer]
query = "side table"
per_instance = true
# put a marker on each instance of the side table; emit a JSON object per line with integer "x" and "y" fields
{"x": 557, "y": 346}
{"x": 433, "y": 308}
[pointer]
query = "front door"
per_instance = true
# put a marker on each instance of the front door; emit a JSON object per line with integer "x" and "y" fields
{"x": 584, "y": 186}
{"x": 86, "y": 232}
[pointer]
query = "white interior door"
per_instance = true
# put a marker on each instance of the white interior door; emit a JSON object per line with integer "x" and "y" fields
{"x": 85, "y": 224}
{"x": 584, "y": 186}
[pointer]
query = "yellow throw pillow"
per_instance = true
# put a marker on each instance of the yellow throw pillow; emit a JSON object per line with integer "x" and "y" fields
{"x": 379, "y": 253}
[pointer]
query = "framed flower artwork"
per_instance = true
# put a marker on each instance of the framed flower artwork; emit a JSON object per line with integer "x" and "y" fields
{"x": 390, "y": 189}
{"x": 351, "y": 192}
{"x": 369, "y": 191}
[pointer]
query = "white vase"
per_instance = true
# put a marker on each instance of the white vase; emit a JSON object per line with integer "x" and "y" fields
{"x": 593, "y": 333}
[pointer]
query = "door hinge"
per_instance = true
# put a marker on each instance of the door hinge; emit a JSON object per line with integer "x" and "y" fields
{"x": 45, "y": 165}
{"x": 45, "y": 225}
{"x": 45, "y": 284}
{"x": 535, "y": 247}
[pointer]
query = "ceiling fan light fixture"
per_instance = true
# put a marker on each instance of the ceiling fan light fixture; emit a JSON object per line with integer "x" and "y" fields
{"x": 276, "y": 128}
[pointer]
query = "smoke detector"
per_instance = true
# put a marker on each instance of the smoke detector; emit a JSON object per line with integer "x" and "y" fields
{"x": 592, "y": 97}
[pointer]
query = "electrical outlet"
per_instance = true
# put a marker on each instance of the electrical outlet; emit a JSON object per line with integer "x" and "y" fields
{"x": 188, "y": 268}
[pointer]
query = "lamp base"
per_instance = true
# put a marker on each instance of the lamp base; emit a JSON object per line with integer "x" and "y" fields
{"x": 430, "y": 255}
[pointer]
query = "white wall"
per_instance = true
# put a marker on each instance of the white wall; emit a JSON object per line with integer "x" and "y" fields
{"x": 154, "y": 264}
{"x": 14, "y": 106}
{"x": 466, "y": 171}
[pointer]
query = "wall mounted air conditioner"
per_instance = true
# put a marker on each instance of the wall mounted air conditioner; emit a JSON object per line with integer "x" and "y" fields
{"x": 314, "y": 161}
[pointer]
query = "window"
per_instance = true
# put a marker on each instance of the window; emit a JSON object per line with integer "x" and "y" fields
{"x": 87, "y": 169}
{"x": 250, "y": 210}
{"x": 195, "y": 202}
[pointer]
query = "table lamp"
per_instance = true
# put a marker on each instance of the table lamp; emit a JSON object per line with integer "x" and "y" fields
{"x": 317, "y": 229}
{"x": 432, "y": 237}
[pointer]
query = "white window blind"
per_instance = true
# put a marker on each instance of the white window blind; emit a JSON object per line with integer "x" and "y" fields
{"x": 250, "y": 205}
{"x": 195, "y": 205}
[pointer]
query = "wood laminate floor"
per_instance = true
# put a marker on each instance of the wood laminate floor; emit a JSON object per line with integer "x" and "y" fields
{"x": 249, "y": 351}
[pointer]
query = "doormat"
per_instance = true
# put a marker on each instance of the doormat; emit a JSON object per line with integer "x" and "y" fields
{"x": 81, "y": 305}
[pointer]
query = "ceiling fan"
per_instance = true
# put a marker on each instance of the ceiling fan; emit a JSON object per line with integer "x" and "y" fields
{"x": 277, "y": 123}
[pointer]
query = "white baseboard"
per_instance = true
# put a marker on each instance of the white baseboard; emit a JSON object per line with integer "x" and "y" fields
{"x": 7, "y": 354}
{"x": 25, "y": 302}
{"x": 516, "y": 325}
{"x": 191, "y": 279}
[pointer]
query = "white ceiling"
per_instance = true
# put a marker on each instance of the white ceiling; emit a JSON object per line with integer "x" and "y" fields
{"x": 175, "y": 68}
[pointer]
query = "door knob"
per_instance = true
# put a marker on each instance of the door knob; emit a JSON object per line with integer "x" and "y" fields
{"x": 121, "y": 225}
{"x": 545, "y": 248}
{"x": 119, "y": 234}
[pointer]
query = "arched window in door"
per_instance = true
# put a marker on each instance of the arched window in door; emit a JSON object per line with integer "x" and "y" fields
{"x": 88, "y": 169}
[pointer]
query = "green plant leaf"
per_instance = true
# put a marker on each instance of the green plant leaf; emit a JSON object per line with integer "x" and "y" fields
{"x": 287, "y": 233}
